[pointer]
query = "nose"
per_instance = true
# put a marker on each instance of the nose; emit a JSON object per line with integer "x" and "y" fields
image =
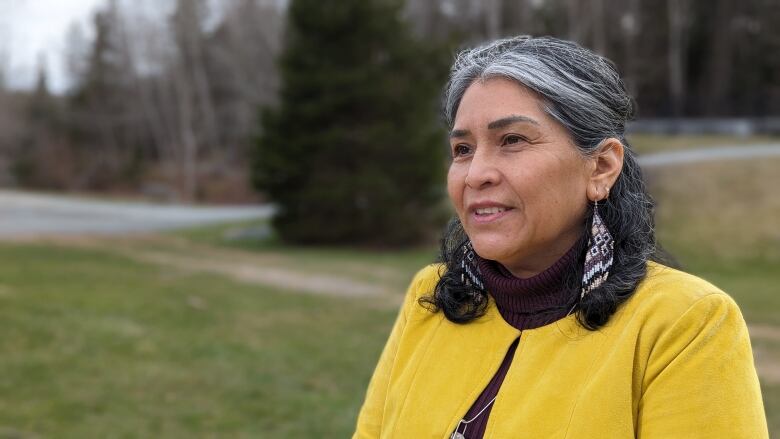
{"x": 483, "y": 170}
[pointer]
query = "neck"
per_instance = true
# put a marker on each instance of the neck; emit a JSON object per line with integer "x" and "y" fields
{"x": 531, "y": 266}
{"x": 530, "y": 302}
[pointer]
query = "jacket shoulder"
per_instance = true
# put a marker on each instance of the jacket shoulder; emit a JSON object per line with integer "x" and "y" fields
{"x": 427, "y": 277}
{"x": 663, "y": 280}
{"x": 423, "y": 283}
{"x": 669, "y": 293}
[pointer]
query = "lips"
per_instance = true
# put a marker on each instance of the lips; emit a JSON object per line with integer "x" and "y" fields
{"x": 488, "y": 211}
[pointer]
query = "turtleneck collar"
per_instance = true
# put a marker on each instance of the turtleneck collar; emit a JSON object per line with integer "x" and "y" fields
{"x": 533, "y": 302}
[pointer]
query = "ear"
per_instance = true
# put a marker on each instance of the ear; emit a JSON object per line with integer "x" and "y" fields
{"x": 607, "y": 162}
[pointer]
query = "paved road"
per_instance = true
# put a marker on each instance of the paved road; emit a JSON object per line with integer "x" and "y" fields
{"x": 24, "y": 213}
{"x": 710, "y": 154}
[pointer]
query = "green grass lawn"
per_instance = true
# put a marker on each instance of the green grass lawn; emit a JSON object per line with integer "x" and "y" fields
{"x": 97, "y": 345}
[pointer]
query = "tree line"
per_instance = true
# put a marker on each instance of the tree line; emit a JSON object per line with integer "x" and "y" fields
{"x": 169, "y": 103}
{"x": 166, "y": 105}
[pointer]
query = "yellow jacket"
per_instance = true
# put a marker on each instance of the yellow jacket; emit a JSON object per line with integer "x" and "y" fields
{"x": 673, "y": 362}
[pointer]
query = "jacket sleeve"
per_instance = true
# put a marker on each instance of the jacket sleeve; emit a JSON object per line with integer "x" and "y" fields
{"x": 369, "y": 422}
{"x": 700, "y": 380}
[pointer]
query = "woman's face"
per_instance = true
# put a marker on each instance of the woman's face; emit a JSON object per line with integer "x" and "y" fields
{"x": 516, "y": 180}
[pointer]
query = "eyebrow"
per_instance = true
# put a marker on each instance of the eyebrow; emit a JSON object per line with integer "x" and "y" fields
{"x": 496, "y": 124}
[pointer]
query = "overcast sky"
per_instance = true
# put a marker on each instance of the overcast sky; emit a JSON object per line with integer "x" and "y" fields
{"x": 33, "y": 29}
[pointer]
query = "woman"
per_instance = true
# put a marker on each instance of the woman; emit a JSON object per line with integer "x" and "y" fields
{"x": 550, "y": 316}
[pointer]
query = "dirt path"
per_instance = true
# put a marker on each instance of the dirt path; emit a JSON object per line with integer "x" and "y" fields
{"x": 249, "y": 272}
{"x": 265, "y": 269}
{"x": 765, "y": 332}
{"x": 767, "y": 359}
{"x": 767, "y": 365}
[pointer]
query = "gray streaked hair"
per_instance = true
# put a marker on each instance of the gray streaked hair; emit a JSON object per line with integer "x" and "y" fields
{"x": 581, "y": 90}
{"x": 584, "y": 92}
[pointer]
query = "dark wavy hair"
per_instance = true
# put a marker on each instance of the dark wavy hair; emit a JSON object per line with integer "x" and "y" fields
{"x": 583, "y": 92}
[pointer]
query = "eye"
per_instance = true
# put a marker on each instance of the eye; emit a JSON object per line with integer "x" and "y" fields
{"x": 512, "y": 139}
{"x": 460, "y": 150}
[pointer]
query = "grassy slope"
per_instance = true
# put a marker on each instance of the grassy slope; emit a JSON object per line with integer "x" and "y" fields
{"x": 721, "y": 221}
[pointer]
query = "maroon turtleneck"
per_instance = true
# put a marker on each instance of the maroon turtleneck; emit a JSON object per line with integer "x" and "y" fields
{"x": 525, "y": 304}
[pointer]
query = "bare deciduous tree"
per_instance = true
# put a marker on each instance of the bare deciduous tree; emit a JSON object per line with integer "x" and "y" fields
{"x": 168, "y": 91}
{"x": 677, "y": 11}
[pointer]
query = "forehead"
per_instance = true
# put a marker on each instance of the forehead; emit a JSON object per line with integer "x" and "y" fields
{"x": 495, "y": 98}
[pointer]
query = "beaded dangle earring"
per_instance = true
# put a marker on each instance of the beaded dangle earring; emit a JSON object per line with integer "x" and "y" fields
{"x": 598, "y": 259}
{"x": 470, "y": 274}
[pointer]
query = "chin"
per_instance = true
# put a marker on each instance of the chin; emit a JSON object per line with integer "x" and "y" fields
{"x": 493, "y": 249}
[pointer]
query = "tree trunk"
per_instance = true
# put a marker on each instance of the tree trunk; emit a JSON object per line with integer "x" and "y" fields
{"x": 526, "y": 11}
{"x": 631, "y": 24}
{"x": 677, "y": 11}
{"x": 721, "y": 59}
{"x": 575, "y": 20}
{"x": 189, "y": 145}
{"x": 493, "y": 18}
{"x": 599, "y": 27}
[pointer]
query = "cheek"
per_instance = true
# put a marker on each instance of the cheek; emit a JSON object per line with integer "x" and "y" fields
{"x": 564, "y": 200}
{"x": 548, "y": 193}
{"x": 455, "y": 184}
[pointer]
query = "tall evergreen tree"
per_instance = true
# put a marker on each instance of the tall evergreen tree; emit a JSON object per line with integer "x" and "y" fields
{"x": 352, "y": 152}
{"x": 98, "y": 110}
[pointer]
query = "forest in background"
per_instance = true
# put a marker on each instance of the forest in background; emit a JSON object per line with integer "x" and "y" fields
{"x": 167, "y": 104}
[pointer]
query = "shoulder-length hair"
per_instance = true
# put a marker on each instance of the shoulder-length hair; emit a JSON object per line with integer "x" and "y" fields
{"x": 583, "y": 92}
